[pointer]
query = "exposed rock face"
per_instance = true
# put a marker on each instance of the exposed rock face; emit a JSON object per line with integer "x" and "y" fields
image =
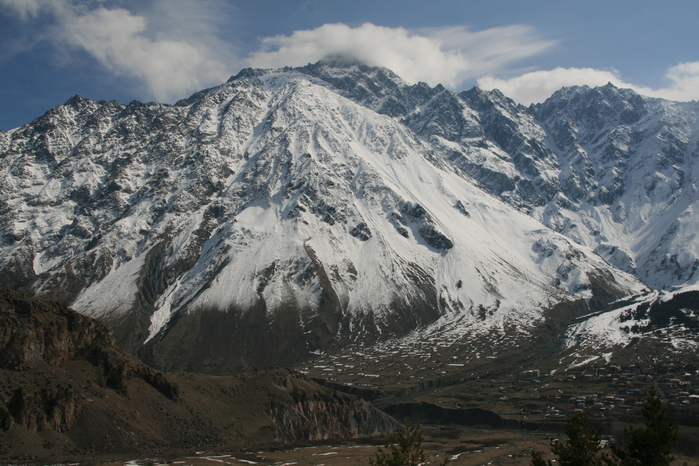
{"x": 55, "y": 408}
{"x": 38, "y": 335}
{"x": 323, "y": 414}
{"x": 66, "y": 390}
{"x": 35, "y": 331}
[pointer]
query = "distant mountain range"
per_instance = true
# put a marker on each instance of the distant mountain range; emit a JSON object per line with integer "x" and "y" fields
{"x": 292, "y": 212}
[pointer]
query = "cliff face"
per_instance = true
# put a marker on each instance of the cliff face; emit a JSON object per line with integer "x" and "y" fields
{"x": 39, "y": 331}
{"x": 57, "y": 369}
{"x": 40, "y": 337}
{"x": 67, "y": 391}
{"x": 315, "y": 413}
{"x": 44, "y": 410}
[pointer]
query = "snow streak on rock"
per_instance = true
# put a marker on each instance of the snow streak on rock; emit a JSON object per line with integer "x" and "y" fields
{"x": 335, "y": 203}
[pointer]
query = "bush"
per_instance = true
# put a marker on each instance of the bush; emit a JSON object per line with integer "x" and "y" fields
{"x": 405, "y": 450}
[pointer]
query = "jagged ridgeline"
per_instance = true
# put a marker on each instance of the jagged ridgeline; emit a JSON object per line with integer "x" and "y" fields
{"x": 294, "y": 211}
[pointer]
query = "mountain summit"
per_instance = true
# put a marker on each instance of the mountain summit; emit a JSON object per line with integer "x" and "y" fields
{"x": 292, "y": 212}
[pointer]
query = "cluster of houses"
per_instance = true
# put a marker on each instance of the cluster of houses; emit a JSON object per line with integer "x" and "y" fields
{"x": 599, "y": 389}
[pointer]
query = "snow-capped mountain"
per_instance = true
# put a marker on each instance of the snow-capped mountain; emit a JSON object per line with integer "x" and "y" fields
{"x": 293, "y": 211}
{"x": 608, "y": 168}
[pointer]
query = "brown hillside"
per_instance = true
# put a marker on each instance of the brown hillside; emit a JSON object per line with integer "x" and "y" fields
{"x": 67, "y": 392}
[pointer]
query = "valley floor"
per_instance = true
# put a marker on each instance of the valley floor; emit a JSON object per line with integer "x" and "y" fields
{"x": 463, "y": 446}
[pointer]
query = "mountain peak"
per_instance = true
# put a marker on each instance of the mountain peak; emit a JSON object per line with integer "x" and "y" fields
{"x": 332, "y": 69}
{"x": 247, "y": 73}
{"x": 339, "y": 60}
{"x": 480, "y": 98}
{"x": 586, "y": 103}
{"x": 301, "y": 208}
{"x": 76, "y": 101}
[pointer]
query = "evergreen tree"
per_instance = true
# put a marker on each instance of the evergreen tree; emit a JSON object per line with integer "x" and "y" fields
{"x": 581, "y": 448}
{"x": 538, "y": 460}
{"x": 650, "y": 445}
{"x": 645, "y": 446}
{"x": 405, "y": 451}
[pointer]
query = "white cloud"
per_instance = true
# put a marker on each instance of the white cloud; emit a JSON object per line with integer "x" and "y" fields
{"x": 116, "y": 38}
{"x": 25, "y": 8}
{"x": 444, "y": 55}
{"x": 174, "y": 47}
{"x": 170, "y": 62}
{"x": 537, "y": 86}
{"x": 453, "y": 55}
{"x": 685, "y": 82}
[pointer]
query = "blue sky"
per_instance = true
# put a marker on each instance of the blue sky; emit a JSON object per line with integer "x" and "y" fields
{"x": 164, "y": 50}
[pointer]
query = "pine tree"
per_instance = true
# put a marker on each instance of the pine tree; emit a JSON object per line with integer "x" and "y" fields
{"x": 582, "y": 445}
{"x": 650, "y": 445}
{"x": 581, "y": 448}
{"x": 405, "y": 451}
{"x": 645, "y": 446}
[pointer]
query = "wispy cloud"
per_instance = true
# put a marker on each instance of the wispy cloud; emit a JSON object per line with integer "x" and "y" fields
{"x": 168, "y": 61}
{"x": 490, "y": 49}
{"x": 26, "y": 9}
{"x": 168, "y": 67}
{"x": 444, "y": 55}
{"x": 537, "y": 86}
{"x": 174, "y": 47}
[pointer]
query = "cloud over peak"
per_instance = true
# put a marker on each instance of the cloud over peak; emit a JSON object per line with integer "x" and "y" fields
{"x": 446, "y": 56}
{"x": 175, "y": 47}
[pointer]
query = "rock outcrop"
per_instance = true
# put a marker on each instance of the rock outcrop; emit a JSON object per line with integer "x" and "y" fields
{"x": 41, "y": 335}
{"x": 317, "y": 413}
{"x": 67, "y": 391}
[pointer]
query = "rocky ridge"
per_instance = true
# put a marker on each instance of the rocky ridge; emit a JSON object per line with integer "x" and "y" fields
{"x": 290, "y": 212}
{"x": 67, "y": 392}
{"x": 609, "y": 168}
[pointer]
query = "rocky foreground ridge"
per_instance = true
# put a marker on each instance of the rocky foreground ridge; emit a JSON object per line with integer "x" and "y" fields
{"x": 67, "y": 391}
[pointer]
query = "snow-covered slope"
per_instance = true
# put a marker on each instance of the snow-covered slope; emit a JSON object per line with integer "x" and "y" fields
{"x": 632, "y": 166}
{"x": 292, "y": 211}
{"x": 608, "y": 168}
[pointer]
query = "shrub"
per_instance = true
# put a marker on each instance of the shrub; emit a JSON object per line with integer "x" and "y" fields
{"x": 404, "y": 450}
